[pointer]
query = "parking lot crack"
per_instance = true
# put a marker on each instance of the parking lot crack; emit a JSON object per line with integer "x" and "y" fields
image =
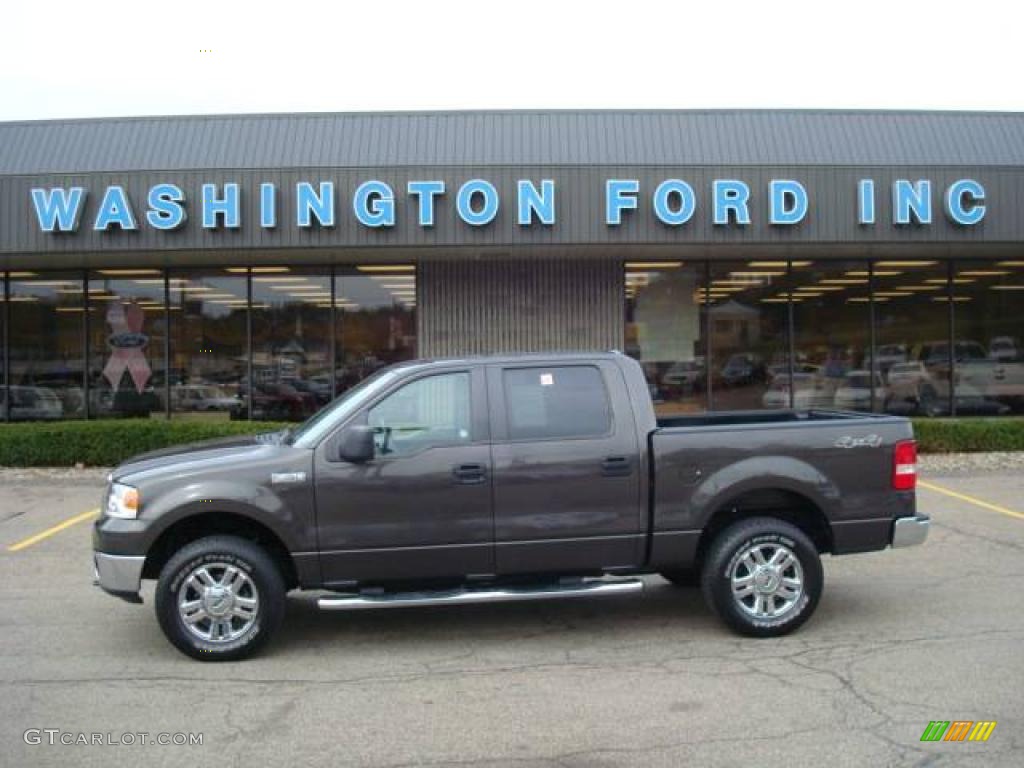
{"x": 574, "y": 758}
{"x": 1000, "y": 542}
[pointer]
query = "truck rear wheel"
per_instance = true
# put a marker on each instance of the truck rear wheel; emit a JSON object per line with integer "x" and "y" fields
{"x": 220, "y": 598}
{"x": 763, "y": 577}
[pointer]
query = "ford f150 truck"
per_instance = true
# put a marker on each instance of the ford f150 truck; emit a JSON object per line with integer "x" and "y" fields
{"x": 503, "y": 478}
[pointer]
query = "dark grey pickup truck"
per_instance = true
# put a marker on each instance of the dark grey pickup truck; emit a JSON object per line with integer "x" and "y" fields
{"x": 503, "y": 478}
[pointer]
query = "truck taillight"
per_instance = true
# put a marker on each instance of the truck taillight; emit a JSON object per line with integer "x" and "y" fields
{"x": 904, "y": 466}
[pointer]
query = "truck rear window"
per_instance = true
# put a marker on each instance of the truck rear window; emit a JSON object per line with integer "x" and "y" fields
{"x": 556, "y": 402}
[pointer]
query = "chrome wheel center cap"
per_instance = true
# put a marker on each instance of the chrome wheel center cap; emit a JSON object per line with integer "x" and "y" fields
{"x": 766, "y": 579}
{"x": 218, "y": 601}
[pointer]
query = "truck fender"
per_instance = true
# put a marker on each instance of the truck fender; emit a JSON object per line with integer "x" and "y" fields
{"x": 762, "y": 473}
{"x": 242, "y": 499}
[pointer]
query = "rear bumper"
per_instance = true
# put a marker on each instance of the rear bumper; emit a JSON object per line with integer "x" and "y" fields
{"x": 118, "y": 575}
{"x": 910, "y": 531}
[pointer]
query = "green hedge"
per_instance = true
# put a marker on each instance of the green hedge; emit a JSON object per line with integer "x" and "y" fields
{"x": 107, "y": 442}
{"x": 1000, "y": 433}
{"x": 104, "y": 443}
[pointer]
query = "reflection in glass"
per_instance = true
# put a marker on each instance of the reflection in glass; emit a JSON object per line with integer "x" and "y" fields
{"x": 748, "y": 319}
{"x": 376, "y": 319}
{"x": 669, "y": 329}
{"x": 46, "y": 326}
{"x": 665, "y": 326}
{"x": 989, "y": 305}
{"x": 209, "y": 355}
{"x": 291, "y": 349}
{"x": 912, "y": 336}
{"x": 3, "y": 347}
{"x": 831, "y": 320}
{"x": 429, "y": 412}
{"x": 127, "y": 330}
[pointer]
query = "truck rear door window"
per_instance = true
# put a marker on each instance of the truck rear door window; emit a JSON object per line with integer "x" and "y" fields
{"x": 556, "y": 402}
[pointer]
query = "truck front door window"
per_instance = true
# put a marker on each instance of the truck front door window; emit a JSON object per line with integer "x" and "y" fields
{"x": 425, "y": 413}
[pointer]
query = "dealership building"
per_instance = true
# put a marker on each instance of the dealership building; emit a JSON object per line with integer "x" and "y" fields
{"x": 255, "y": 266}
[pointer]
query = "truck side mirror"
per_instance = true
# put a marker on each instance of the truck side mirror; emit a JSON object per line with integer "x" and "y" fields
{"x": 356, "y": 444}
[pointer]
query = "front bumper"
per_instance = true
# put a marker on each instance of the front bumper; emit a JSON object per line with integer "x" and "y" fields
{"x": 910, "y": 531}
{"x": 119, "y": 575}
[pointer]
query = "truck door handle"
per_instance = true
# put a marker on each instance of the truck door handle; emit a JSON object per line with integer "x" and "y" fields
{"x": 616, "y": 466}
{"x": 469, "y": 474}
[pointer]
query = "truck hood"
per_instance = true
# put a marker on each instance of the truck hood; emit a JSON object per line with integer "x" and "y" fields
{"x": 223, "y": 450}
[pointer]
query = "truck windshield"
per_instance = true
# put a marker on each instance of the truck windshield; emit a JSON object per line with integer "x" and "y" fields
{"x": 319, "y": 424}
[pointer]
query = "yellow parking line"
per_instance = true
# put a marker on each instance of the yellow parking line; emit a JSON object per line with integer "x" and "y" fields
{"x": 969, "y": 499}
{"x": 79, "y": 518}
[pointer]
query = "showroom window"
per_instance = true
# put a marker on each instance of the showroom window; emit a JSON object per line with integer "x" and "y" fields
{"x": 749, "y": 340}
{"x": 375, "y": 317}
{"x": 46, "y": 336}
{"x": 912, "y": 331}
{"x": 666, "y": 332}
{"x": 988, "y": 299}
{"x": 127, "y": 334}
{"x": 831, "y": 325}
{"x": 291, "y": 342}
{"x": 3, "y": 347}
{"x": 208, "y": 368}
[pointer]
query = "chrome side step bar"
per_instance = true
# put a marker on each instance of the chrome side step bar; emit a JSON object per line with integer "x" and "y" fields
{"x": 365, "y": 601}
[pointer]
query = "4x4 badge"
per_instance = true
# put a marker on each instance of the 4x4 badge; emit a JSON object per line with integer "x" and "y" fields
{"x": 868, "y": 441}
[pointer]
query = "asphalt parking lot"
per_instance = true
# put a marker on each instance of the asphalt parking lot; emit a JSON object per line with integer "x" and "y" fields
{"x": 900, "y": 638}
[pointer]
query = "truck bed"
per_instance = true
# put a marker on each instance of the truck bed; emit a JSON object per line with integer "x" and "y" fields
{"x": 838, "y": 462}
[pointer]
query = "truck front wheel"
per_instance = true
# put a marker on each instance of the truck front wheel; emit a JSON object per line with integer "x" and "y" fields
{"x": 763, "y": 577}
{"x": 220, "y": 598}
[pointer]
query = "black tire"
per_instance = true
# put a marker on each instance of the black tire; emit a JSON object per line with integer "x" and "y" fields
{"x": 265, "y": 584}
{"x": 725, "y": 558}
{"x": 684, "y": 579}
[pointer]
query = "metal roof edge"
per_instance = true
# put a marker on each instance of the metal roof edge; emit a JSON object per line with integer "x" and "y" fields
{"x": 511, "y": 113}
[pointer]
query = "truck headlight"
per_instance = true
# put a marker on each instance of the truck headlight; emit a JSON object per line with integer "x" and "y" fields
{"x": 123, "y": 501}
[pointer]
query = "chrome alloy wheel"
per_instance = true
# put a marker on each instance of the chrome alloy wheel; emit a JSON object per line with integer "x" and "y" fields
{"x": 218, "y": 602}
{"x": 767, "y": 581}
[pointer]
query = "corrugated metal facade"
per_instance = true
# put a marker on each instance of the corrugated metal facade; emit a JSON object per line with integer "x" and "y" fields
{"x": 519, "y": 305}
{"x": 513, "y": 138}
